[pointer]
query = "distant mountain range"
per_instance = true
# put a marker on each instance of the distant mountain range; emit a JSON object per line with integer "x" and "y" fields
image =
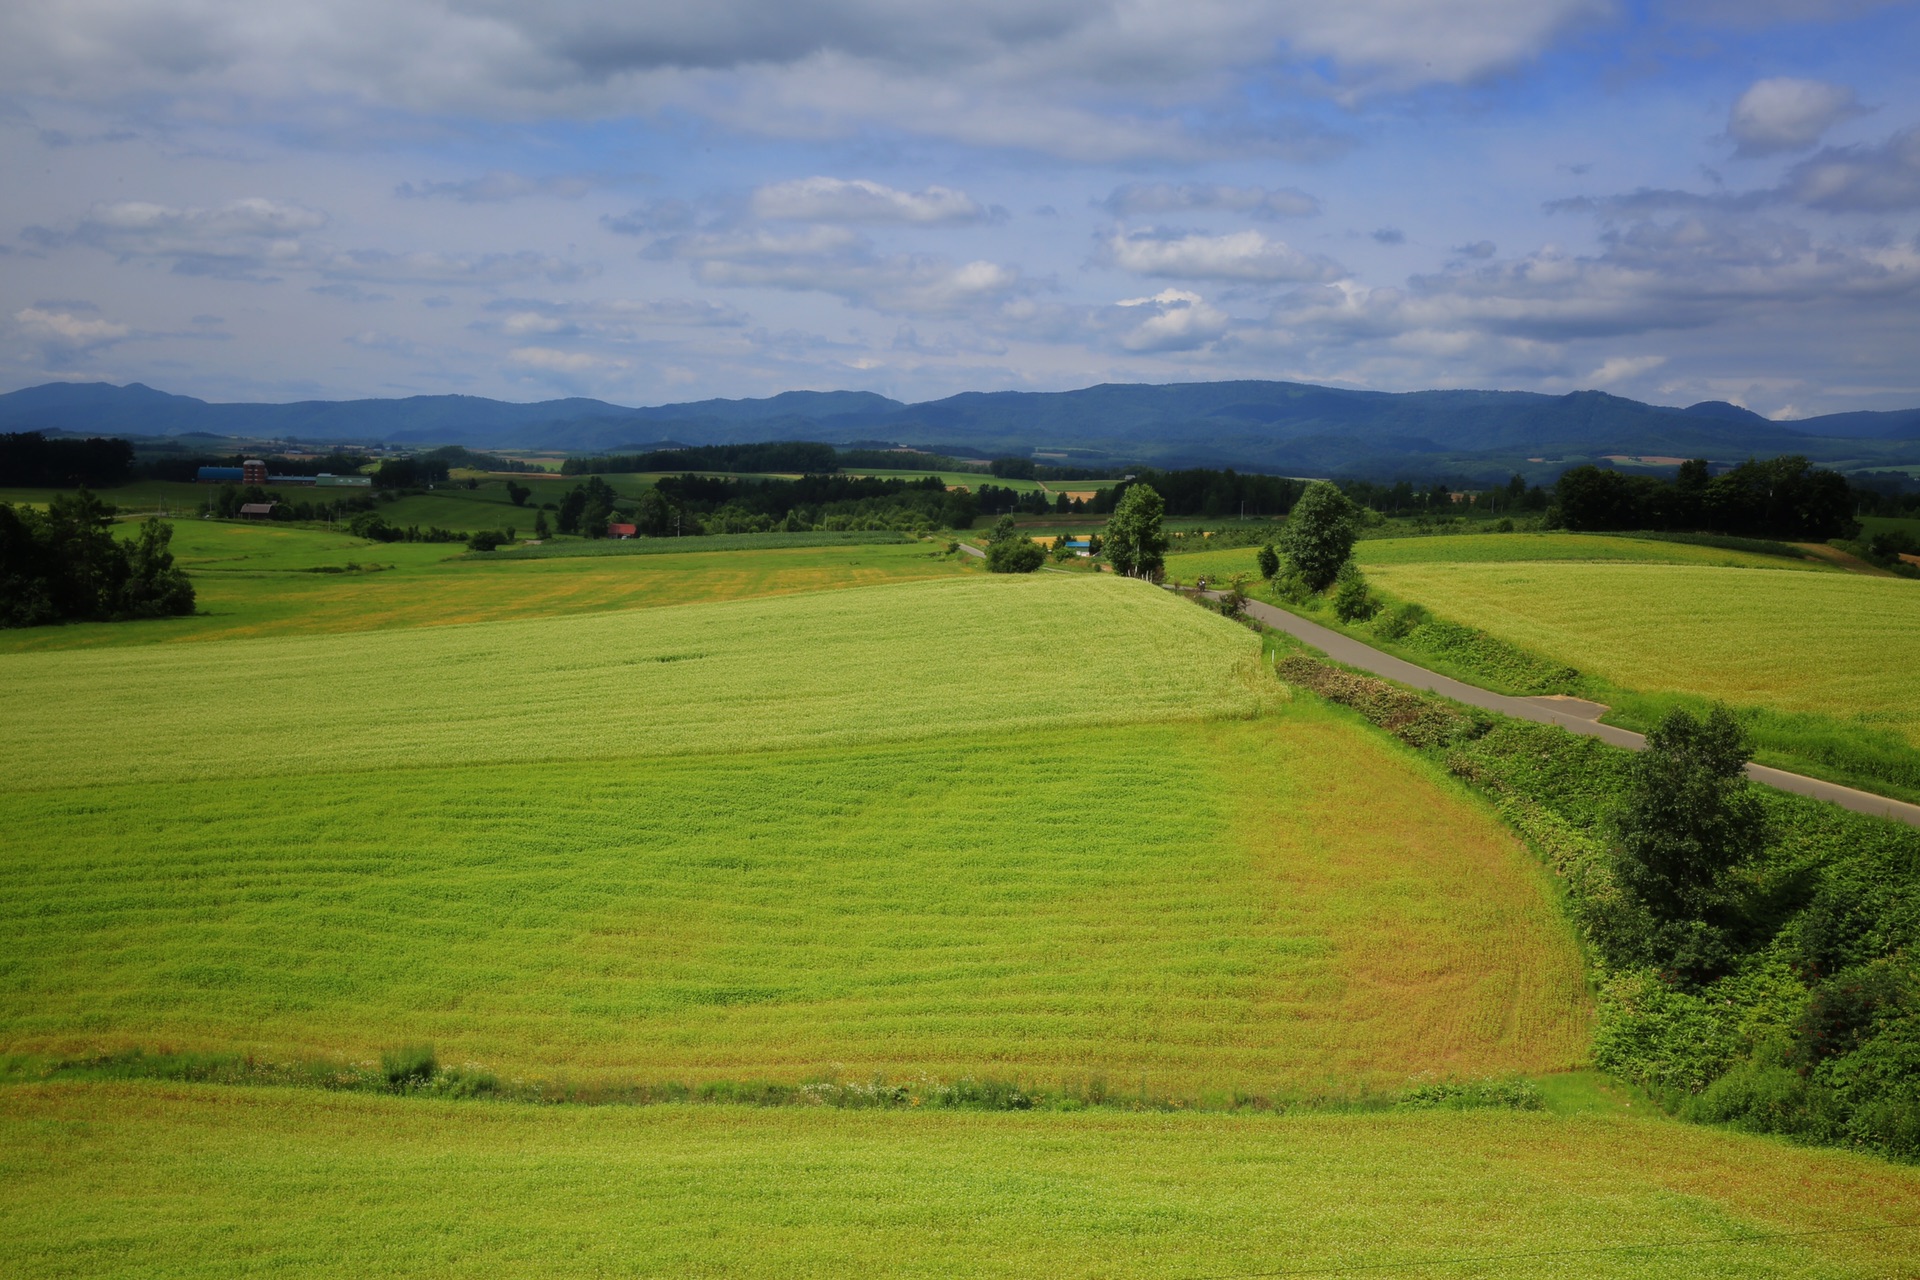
{"x": 1288, "y": 427}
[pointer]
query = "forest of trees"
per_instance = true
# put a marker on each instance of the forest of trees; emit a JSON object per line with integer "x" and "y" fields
{"x": 694, "y": 504}
{"x": 29, "y": 460}
{"x": 65, "y": 565}
{"x": 1786, "y": 497}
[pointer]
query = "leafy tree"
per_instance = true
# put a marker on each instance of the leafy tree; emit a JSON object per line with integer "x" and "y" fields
{"x": 484, "y": 540}
{"x": 518, "y": 494}
{"x": 1688, "y": 823}
{"x": 1012, "y": 468}
{"x": 1015, "y": 555}
{"x": 1003, "y": 531}
{"x": 541, "y": 529}
{"x": 1269, "y": 562}
{"x": 1318, "y": 535}
{"x": 64, "y": 564}
{"x": 1136, "y": 537}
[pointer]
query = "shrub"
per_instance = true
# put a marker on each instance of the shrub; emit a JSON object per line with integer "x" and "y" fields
{"x": 485, "y": 540}
{"x": 1399, "y": 623}
{"x": 1352, "y": 602}
{"x": 408, "y": 1066}
{"x": 1015, "y": 555}
{"x": 1269, "y": 561}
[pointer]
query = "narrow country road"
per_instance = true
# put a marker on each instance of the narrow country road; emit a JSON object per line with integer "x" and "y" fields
{"x": 1571, "y": 714}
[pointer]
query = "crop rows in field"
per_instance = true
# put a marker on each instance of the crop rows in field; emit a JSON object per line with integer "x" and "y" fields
{"x": 1189, "y": 905}
{"x": 897, "y": 662}
{"x": 1835, "y": 644}
{"x": 184, "y": 1181}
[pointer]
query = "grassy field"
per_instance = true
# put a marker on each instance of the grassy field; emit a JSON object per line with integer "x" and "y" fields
{"x": 901, "y": 908}
{"x": 1035, "y": 859}
{"x": 1834, "y": 644}
{"x": 891, "y": 663}
{"x": 158, "y": 1182}
{"x": 257, "y": 580}
{"x": 563, "y": 548}
{"x": 1497, "y": 548}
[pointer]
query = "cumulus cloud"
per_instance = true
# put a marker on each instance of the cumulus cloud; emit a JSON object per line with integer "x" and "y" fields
{"x": 238, "y": 239}
{"x": 1176, "y": 320}
{"x": 858, "y": 200}
{"x": 552, "y": 360}
{"x": 1137, "y": 198}
{"x": 1787, "y": 114}
{"x": 50, "y": 326}
{"x": 1877, "y": 179}
{"x": 1623, "y": 368}
{"x": 838, "y": 261}
{"x": 1008, "y": 64}
{"x": 1240, "y": 255}
{"x": 609, "y": 319}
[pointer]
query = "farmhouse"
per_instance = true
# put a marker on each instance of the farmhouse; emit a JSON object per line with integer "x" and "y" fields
{"x": 622, "y": 530}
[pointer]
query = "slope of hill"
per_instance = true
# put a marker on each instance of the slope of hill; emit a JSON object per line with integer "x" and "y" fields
{"x": 1270, "y": 426}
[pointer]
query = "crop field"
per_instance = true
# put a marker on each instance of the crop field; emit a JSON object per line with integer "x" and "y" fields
{"x": 1496, "y": 548}
{"x": 1832, "y": 644}
{"x": 900, "y": 908}
{"x": 174, "y": 1181}
{"x": 890, "y": 663}
{"x": 258, "y": 580}
{"x": 576, "y": 547}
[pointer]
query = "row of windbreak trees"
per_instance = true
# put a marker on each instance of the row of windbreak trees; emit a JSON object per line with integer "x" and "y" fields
{"x": 686, "y": 505}
{"x": 1787, "y": 498}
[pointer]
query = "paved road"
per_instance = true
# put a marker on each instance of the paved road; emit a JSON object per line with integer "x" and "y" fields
{"x": 1571, "y": 714}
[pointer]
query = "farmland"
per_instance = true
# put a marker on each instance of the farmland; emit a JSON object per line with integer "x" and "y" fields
{"x": 167, "y": 1181}
{"x": 670, "y": 927}
{"x": 267, "y": 580}
{"x": 1833, "y": 644}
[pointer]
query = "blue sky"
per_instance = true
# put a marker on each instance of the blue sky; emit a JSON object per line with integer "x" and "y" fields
{"x": 1700, "y": 199}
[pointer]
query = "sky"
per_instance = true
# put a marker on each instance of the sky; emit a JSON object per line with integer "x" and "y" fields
{"x": 1674, "y": 200}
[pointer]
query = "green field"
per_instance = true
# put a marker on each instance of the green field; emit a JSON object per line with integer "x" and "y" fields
{"x": 376, "y": 860}
{"x": 1497, "y": 548}
{"x": 1833, "y": 644}
{"x": 779, "y": 815}
{"x": 564, "y": 548}
{"x": 181, "y": 1181}
{"x": 256, "y": 580}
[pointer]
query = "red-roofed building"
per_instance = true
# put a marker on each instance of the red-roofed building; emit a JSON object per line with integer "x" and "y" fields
{"x": 622, "y": 530}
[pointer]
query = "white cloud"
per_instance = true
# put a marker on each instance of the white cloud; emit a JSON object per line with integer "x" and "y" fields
{"x": 1240, "y": 255}
{"x": 1876, "y": 179}
{"x": 1165, "y": 197}
{"x": 844, "y": 263}
{"x": 68, "y": 330}
{"x": 239, "y": 238}
{"x": 1178, "y": 321}
{"x": 500, "y": 185}
{"x": 550, "y": 360}
{"x": 1787, "y": 114}
{"x": 821, "y": 199}
{"x": 1019, "y": 71}
{"x": 1623, "y": 368}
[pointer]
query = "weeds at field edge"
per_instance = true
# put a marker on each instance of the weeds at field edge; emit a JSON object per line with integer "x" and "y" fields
{"x": 414, "y": 1071}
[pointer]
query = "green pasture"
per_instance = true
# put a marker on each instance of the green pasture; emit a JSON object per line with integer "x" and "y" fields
{"x": 1822, "y": 662}
{"x": 563, "y": 548}
{"x": 257, "y": 578}
{"x": 896, "y": 662}
{"x": 1498, "y": 548}
{"x": 1180, "y": 907}
{"x": 177, "y": 1181}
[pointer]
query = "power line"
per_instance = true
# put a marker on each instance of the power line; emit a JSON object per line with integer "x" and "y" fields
{"x": 1482, "y": 1258}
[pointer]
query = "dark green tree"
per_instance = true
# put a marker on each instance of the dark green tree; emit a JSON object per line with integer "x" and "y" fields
{"x": 1269, "y": 562}
{"x": 1015, "y": 555}
{"x": 1318, "y": 535}
{"x": 1136, "y": 536}
{"x": 540, "y": 527}
{"x": 518, "y": 494}
{"x": 1688, "y": 823}
{"x": 1352, "y": 601}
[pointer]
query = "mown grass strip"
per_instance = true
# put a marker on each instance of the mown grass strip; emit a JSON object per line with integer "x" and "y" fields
{"x": 165, "y": 1181}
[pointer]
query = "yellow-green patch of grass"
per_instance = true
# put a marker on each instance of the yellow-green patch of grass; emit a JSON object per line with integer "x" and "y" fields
{"x": 1502, "y": 548}
{"x": 166, "y": 1181}
{"x": 881, "y": 663}
{"x": 1277, "y": 907}
{"x": 1835, "y": 644}
{"x": 260, "y": 580}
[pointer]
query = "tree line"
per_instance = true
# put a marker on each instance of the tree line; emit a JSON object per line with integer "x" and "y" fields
{"x": 65, "y": 565}
{"x": 1786, "y": 497}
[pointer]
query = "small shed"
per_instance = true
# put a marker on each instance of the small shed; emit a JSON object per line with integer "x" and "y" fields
{"x": 622, "y": 530}
{"x": 257, "y": 510}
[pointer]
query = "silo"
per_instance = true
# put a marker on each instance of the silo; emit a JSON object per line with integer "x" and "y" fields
{"x": 253, "y": 471}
